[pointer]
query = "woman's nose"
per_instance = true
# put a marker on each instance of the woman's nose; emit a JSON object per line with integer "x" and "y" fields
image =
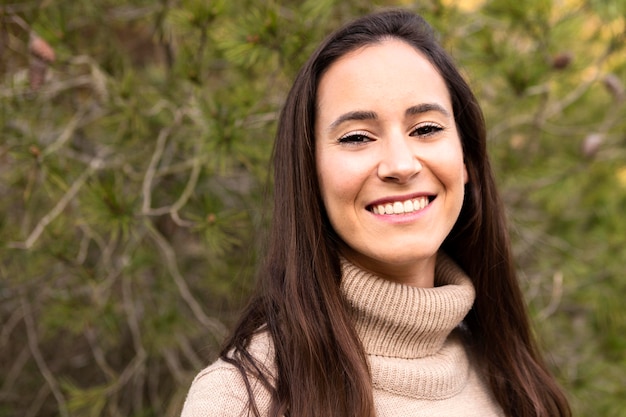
{"x": 398, "y": 161}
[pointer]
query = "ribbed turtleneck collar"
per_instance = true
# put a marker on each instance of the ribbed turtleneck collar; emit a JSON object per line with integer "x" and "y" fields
{"x": 400, "y": 321}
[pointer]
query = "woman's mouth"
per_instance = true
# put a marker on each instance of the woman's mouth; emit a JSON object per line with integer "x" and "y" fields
{"x": 401, "y": 207}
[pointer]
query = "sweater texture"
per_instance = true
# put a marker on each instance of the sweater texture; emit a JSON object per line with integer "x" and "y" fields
{"x": 417, "y": 352}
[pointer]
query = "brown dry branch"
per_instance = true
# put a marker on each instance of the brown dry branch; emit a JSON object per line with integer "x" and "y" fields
{"x": 185, "y": 195}
{"x": 98, "y": 78}
{"x": 98, "y": 354}
{"x": 101, "y": 292}
{"x": 67, "y": 133}
{"x": 615, "y": 87}
{"x": 130, "y": 13}
{"x": 154, "y": 162}
{"x": 212, "y": 324}
{"x": 96, "y": 164}
{"x": 153, "y": 382}
{"x": 38, "y": 401}
{"x": 51, "y": 89}
{"x": 179, "y": 167}
{"x": 196, "y": 168}
{"x": 33, "y": 346}
{"x": 113, "y": 160}
{"x": 133, "y": 318}
{"x": 195, "y": 164}
{"x": 133, "y": 321}
{"x": 83, "y": 247}
{"x": 189, "y": 352}
{"x": 19, "y": 7}
{"x": 107, "y": 259}
{"x": 13, "y": 17}
{"x": 14, "y": 372}
{"x": 555, "y": 298}
{"x": 173, "y": 364}
{"x": 9, "y": 325}
{"x": 135, "y": 367}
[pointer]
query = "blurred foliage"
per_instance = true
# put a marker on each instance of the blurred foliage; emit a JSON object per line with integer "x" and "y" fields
{"x": 133, "y": 167}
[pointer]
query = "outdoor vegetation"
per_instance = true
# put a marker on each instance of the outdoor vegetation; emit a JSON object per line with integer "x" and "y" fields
{"x": 135, "y": 138}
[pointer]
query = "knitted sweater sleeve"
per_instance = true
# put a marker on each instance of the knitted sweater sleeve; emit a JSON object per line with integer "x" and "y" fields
{"x": 220, "y": 391}
{"x": 217, "y": 391}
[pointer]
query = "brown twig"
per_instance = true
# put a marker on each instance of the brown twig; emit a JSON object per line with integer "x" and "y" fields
{"x": 33, "y": 345}
{"x": 9, "y": 325}
{"x": 37, "y": 402}
{"x": 173, "y": 364}
{"x": 98, "y": 354}
{"x": 170, "y": 260}
{"x": 555, "y": 299}
{"x": 96, "y": 164}
{"x": 154, "y": 162}
{"x": 16, "y": 368}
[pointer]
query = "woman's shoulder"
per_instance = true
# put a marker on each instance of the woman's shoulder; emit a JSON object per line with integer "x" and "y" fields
{"x": 220, "y": 389}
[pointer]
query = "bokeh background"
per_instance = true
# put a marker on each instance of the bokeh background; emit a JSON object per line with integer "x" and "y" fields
{"x": 135, "y": 138}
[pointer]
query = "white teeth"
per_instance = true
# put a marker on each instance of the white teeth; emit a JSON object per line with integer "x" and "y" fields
{"x": 400, "y": 207}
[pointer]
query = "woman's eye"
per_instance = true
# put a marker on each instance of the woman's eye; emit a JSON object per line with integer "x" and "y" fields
{"x": 355, "y": 138}
{"x": 426, "y": 130}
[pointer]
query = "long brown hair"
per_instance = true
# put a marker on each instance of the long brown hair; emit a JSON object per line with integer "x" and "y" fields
{"x": 320, "y": 366}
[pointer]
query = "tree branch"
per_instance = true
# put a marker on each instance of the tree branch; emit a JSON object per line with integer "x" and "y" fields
{"x": 96, "y": 164}
{"x": 146, "y": 189}
{"x": 170, "y": 260}
{"x": 33, "y": 345}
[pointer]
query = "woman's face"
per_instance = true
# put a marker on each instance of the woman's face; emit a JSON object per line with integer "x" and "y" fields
{"x": 389, "y": 160}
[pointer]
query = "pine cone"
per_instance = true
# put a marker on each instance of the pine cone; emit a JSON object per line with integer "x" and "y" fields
{"x": 41, "y": 49}
{"x": 591, "y": 144}
{"x": 562, "y": 60}
{"x": 37, "y": 69}
{"x": 42, "y": 55}
{"x": 615, "y": 87}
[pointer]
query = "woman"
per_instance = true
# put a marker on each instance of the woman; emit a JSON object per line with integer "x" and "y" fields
{"x": 388, "y": 288}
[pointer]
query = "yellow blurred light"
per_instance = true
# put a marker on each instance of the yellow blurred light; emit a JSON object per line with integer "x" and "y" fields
{"x": 621, "y": 176}
{"x": 465, "y": 5}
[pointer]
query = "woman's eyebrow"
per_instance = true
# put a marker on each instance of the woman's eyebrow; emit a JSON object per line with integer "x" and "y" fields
{"x": 425, "y": 108}
{"x": 353, "y": 115}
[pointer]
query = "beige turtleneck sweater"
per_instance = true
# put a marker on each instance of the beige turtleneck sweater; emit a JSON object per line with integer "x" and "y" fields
{"x": 417, "y": 357}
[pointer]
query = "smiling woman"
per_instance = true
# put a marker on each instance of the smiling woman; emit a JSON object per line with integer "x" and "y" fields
{"x": 388, "y": 288}
{"x": 385, "y": 139}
